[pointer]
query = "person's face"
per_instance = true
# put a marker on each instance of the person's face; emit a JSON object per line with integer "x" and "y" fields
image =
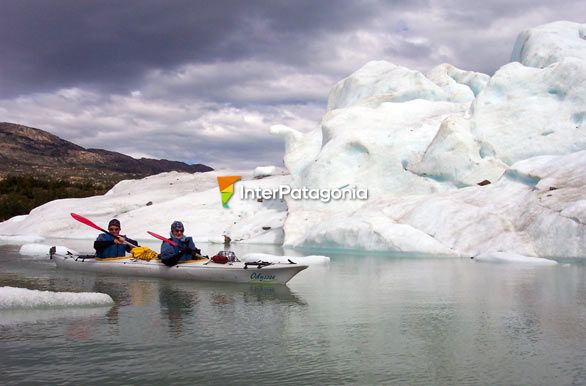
{"x": 178, "y": 233}
{"x": 114, "y": 230}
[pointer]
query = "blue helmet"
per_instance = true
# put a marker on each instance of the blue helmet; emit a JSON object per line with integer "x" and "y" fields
{"x": 177, "y": 225}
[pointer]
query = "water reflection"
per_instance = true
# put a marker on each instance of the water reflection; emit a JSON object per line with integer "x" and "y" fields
{"x": 79, "y": 315}
{"x": 189, "y": 305}
{"x": 359, "y": 320}
{"x": 261, "y": 294}
{"x": 176, "y": 305}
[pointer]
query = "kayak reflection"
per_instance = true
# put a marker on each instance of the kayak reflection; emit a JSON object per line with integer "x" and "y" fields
{"x": 188, "y": 305}
{"x": 176, "y": 305}
{"x": 210, "y": 292}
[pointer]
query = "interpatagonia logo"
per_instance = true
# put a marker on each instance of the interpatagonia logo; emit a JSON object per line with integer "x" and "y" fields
{"x": 346, "y": 192}
{"x": 226, "y": 185}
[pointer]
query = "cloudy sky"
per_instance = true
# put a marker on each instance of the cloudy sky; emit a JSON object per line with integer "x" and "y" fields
{"x": 202, "y": 81}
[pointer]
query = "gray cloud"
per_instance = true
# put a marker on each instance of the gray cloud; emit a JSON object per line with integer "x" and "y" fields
{"x": 191, "y": 131}
{"x": 111, "y": 44}
{"x": 202, "y": 81}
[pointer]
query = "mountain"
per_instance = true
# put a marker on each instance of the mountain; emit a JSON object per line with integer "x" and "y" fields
{"x": 26, "y": 150}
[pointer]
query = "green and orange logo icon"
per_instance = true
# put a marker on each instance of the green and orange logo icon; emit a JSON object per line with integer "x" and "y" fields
{"x": 226, "y": 185}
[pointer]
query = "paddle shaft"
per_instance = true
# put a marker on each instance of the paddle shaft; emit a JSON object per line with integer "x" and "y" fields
{"x": 88, "y": 222}
{"x": 171, "y": 242}
{"x": 162, "y": 238}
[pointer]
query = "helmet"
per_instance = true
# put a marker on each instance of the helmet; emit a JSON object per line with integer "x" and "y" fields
{"x": 177, "y": 225}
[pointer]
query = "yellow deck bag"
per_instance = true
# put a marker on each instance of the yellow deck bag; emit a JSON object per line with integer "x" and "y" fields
{"x": 144, "y": 253}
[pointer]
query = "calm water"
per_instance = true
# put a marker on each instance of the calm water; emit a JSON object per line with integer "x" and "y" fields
{"x": 360, "y": 320}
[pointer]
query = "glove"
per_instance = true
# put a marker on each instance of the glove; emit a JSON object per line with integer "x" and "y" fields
{"x": 171, "y": 261}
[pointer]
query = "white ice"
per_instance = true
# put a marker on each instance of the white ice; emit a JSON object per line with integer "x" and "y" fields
{"x": 422, "y": 153}
{"x": 22, "y": 298}
{"x": 42, "y": 250}
{"x": 266, "y": 171}
{"x": 508, "y": 258}
{"x": 19, "y": 239}
{"x": 550, "y": 43}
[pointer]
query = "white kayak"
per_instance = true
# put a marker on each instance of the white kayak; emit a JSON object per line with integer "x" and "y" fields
{"x": 203, "y": 269}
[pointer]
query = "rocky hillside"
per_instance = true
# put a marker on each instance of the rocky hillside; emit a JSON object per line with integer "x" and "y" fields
{"x": 29, "y": 151}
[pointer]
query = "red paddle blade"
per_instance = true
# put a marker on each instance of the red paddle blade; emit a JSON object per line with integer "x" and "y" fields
{"x": 173, "y": 243}
{"x": 86, "y": 221}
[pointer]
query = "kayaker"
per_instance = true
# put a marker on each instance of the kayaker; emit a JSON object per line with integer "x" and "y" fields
{"x": 185, "y": 249}
{"x": 108, "y": 246}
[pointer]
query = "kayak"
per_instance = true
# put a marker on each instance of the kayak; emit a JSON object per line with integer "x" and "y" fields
{"x": 200, "y": 270}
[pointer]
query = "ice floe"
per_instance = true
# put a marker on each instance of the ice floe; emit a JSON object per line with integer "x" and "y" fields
{"x": 22, "y": 298}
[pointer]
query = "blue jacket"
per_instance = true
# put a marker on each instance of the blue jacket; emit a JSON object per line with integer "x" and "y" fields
{"x": 106, "y": 247}
{"x": 170, "y": 255}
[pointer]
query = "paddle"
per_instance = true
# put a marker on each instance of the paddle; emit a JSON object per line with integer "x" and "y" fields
{"x": 88, "y": 222}
{"x": 157, "y": 236}
{"x": 173, "y": 243}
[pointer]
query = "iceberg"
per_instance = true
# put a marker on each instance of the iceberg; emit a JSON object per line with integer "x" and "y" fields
{"x": 19, "y": 238}
{"x": 456, "y": 163}
{"x": 550, "y": 43}
{"x": 22, "y": 298}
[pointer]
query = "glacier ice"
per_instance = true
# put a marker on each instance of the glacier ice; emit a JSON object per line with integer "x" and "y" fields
{"x": 550, "y": 43}
{"x": 385, "y": 128}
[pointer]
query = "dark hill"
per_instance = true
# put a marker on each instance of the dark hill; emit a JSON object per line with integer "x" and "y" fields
{"x": 37, "y": 167}
{"x": 29, "y": 151}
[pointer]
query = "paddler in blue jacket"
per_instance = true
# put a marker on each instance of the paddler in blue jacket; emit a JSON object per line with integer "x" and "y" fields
{"x": 108, "y": 246}
{"x": 183, "y": 251}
